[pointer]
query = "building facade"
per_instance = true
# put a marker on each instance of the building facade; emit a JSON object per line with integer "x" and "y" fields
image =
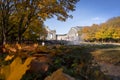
{"x": 73, "y": 34}
{"x": 51, "y": 34}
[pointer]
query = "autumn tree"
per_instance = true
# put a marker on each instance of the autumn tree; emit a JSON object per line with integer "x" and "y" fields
{"x": 108, "y": 31}
{"x": 92, "y": 32}
{"x": 24, "y": 12}
{"x": 116, "y": 33}
{"x": 89, "y": 32}
{"x": 100, "y": 34}
{"x": 5, "y": 11}
{"x": 85, "y": 33}
{"x": 114, "y": 23}
{"x": 36, "y": 30}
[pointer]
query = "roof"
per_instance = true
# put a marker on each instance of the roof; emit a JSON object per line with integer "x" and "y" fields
{"x": 77, "y": 28}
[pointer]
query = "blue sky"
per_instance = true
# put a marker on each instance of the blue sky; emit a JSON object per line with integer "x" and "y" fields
{"x": 87, "y": 12}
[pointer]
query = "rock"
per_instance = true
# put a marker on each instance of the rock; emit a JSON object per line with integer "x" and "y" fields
{"x": 59, "y": 75}
{"x": 37, "y": 66}
{"x": 40, "y": 63}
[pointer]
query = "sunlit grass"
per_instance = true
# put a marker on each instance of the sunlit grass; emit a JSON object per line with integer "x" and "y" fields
{"x": 110, "y": 55}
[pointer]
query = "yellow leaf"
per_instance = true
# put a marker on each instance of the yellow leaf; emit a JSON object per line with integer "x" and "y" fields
{"x": 9, "y": 57}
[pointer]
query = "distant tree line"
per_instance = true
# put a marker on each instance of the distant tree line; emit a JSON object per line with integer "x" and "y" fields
{"x": 105, "y": 32}
{"x": 25, "y": 18}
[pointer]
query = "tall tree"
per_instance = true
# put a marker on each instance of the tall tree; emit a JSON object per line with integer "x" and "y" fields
{"x": 26, "y": 11}
{"x": 6, "y": 9}
{"x": 35, "y": 31}
{"x": 85, "y": 33}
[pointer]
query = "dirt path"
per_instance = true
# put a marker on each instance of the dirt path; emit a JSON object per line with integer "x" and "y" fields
{"x": 111, "y": 70}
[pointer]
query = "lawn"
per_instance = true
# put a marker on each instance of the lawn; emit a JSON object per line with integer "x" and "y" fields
{"x": 110, "y": 55}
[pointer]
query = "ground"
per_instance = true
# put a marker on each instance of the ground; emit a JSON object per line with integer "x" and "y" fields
{"x": 109, "y": 61}
{"x": 78, "y": 61}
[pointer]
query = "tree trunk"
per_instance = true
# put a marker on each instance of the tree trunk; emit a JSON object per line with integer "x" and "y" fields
{"x": 3, "y": 35}
{"x": 19, "y": 35}
{"x": 19, "y": 29}
{"x": 3, "y": 31}
{"x": 4, "y": 39}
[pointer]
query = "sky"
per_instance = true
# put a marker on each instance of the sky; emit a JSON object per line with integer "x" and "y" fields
{"x": 87, "y": 12}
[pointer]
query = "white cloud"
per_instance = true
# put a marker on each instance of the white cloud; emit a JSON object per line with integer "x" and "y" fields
{"x": 96, "y": 18}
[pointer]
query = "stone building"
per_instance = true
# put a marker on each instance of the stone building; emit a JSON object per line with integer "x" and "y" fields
{"x": 51, "y": 34}
{"x": 73, "y": 34}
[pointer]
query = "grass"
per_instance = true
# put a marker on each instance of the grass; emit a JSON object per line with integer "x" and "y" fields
{"x": 110, "y": 55}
